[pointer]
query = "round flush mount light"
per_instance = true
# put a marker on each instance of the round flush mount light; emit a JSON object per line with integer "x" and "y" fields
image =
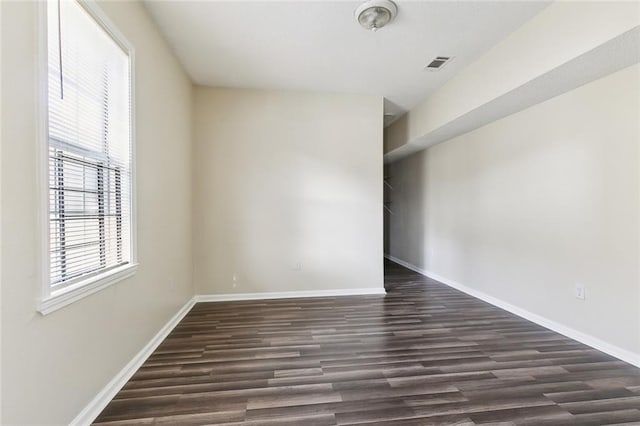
{"x": 375, "y": 14}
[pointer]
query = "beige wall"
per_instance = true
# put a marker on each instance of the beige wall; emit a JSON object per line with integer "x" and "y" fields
{"x": 287, "y": 177}
{"x": 526, "y": 207}
{"x": 54, "y": 365}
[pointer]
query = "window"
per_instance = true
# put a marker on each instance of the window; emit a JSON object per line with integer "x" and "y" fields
{"x": 89, "y": 151}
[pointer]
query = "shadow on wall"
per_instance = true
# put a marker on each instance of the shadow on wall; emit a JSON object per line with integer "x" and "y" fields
{"x": 407, "y": 239}
{"x": 387, "y": 208}
{"x": 396, "y": 134}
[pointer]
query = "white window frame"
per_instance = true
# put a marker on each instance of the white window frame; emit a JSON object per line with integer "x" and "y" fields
{"x": 50, "y": 301}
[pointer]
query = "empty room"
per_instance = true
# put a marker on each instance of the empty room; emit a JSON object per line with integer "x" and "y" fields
{"x": 306, "y": 212}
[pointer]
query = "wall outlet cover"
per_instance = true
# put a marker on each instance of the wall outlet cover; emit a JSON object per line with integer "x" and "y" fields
{"x": 580, "y": 292}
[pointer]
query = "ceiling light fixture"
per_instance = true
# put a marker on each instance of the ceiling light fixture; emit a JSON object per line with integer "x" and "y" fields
{"x": 375, "y": 14}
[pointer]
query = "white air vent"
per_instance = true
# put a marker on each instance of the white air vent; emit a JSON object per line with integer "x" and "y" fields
{"x": 438, "y": 63}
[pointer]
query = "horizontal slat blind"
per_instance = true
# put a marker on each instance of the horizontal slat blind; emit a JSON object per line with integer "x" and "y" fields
{"x": 89, "y": 147}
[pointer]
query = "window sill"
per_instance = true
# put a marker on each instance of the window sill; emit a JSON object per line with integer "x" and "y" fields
{"x": 78, "y": 291}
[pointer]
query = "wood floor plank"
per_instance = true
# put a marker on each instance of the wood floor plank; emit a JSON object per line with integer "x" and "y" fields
{"x": 424, "y": 354}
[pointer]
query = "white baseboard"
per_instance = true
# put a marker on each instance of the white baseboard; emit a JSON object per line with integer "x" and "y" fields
{"x": 97, "y": 404}
{"x": 594, "y": 342}
{"x": 289, "y": 294}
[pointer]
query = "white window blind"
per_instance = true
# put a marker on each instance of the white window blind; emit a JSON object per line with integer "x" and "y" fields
{"x": 89, "y": 147}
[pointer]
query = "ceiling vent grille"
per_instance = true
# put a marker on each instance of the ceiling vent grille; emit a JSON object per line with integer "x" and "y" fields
{"x": 438, "y": 63}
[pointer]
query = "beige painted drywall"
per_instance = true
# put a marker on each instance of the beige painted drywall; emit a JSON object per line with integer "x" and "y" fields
{"x": 559, "y": 33}
{"x": 53, "y": 365}
{"x": 287, "y": 177}
{"x": 526, "y": 207}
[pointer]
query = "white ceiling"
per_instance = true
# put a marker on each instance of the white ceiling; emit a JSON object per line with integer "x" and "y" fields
{"x": 318, "y": 45}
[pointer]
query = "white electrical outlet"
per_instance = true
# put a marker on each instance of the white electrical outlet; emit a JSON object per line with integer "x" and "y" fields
{"x": 580, "y": 292}
{"x": 235, "y": 280}
{"x": 297, "y": 266}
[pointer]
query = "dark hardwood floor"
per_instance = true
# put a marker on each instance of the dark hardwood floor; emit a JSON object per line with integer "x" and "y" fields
{"x": 424, "y": 354}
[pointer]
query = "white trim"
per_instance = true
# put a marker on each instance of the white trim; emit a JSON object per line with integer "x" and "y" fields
{"x": 97, "y": 404}
{"x": 613, "y": 350}
{"x": 94, "y": 10}
{"x": 42, "y": 149}
{"x": 84, "y": 288}
{"x": 50, "y": 301}
{"x": 289, "y": 294}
